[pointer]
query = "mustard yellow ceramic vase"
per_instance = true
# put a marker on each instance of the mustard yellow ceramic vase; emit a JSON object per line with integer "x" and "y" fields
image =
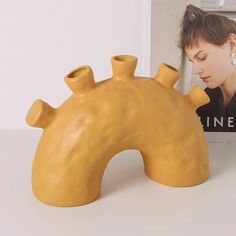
{"x": 102, "y": 119}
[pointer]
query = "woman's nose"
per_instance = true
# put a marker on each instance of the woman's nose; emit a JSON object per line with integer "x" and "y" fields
{"x": 197, "y": 70}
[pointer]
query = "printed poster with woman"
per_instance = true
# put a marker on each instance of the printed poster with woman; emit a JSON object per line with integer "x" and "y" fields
{"x": 209, "y": 42}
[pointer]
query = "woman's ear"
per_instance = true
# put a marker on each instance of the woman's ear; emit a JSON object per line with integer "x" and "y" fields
{"x": 232, "y": 43}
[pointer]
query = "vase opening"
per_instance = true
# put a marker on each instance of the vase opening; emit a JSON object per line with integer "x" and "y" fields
{"x": 78, "y": 73}
{"x": 171, "y": 67}
{"x": 124, "y": 58}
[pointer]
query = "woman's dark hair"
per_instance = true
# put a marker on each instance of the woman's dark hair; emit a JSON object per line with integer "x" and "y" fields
{"x": 198, "y": 24}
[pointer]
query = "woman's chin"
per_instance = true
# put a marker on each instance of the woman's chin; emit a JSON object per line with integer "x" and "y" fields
{"x": 211, "y": 86}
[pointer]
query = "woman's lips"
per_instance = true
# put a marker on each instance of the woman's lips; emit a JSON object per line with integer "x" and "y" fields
{"x": 205, "y": 79}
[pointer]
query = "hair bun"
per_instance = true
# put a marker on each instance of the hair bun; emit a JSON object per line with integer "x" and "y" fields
{"x": 192, "y": 15}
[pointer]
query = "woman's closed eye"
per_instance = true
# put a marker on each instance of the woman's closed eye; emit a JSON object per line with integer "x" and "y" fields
{"x": 202, "y": 58}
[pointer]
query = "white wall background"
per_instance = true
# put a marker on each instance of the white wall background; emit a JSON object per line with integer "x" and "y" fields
{"x": 41, "y": 41}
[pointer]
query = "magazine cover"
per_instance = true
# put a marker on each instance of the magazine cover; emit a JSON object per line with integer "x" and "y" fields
{"x": 206, "y": 37}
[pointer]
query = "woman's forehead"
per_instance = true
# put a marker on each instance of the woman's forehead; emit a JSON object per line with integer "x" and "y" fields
{"x": 200, "y": 46}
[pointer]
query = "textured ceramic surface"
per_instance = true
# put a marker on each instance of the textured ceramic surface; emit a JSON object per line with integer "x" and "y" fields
{"x": 102, "y": 119}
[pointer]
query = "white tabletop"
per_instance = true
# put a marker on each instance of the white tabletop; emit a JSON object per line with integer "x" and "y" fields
{"x": 130, "y": 203}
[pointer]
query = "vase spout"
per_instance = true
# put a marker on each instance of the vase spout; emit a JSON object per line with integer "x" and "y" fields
{"x": 123, "y": 66}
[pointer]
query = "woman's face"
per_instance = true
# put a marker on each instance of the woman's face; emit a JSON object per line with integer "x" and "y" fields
{"x": 212, "y": 63}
